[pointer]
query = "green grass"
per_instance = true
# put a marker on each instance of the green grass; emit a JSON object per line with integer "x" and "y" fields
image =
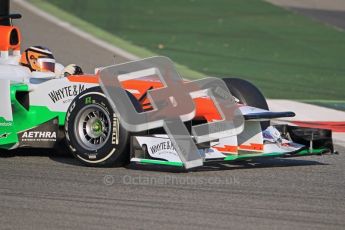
{"x": 104, "y": 35}
{"x": 285, "y": 54}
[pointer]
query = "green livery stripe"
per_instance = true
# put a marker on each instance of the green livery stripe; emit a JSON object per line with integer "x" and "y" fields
{"x": 23, "y": 118}
{"x": 308, "y": 152}
{"x": 305, "y": 152}
{"x": 18, "y": 87}
{"x": 8, "y": 135}
{"x": 159, "y": 162}
{"x": 8, "y": 129}
{"x": 44, "y": 114}
{"x": 36, "y": 115}
{"x": 248, "y": 156}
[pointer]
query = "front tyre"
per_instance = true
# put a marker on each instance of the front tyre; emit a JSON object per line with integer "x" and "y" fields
{"x": 248, "y": 94}
{"x": 93, "y": 132}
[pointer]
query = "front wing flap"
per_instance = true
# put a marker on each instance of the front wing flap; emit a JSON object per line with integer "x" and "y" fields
{"x": 296, "y": 142}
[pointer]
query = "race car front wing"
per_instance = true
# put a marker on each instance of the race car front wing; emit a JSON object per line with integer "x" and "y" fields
{"x": 293, "y": 142}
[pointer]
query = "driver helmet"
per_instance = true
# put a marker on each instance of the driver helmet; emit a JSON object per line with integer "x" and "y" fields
{"x": 38, "y": 58}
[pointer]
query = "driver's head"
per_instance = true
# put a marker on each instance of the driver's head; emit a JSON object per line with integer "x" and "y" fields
{"x": 38, "y": 58}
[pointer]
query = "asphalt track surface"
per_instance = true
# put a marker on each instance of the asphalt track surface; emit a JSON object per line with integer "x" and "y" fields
{"x": 330, "y": 17}
{"x": 67, "y": 47}
{"x": 44, "y": 190}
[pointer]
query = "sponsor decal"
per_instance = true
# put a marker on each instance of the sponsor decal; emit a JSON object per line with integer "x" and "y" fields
{"x": 5, "y": 124}
{"x": 115, "y": 133}
{"x": 66, "y": 93}
{"x": 42, "y": 136}
{"x": 271, "y": 134}
{"x": 92, "y": 156}
{"x": 163, "y": 147}
{"x": 88, "y": 100}
{"x": 39, "y": 136}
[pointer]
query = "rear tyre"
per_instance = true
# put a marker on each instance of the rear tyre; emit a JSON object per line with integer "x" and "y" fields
{"x": 93, "y": 132}
{"x": 247, "y": 94}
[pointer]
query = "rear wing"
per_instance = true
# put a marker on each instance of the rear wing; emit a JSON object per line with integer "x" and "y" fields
{"x": 5, "y": 16}
{"x": 10, "y": 37}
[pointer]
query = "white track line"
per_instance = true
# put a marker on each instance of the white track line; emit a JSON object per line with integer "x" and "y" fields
{"x": 334, "y": 5}
{"x": 306, "y": 112}
{"x": 329, "y": 5}
{"x": 77, "y": 31}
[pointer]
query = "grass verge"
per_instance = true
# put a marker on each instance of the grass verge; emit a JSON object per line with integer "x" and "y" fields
{"x": 108, "y": 37}
{"x": 286, "y": 55}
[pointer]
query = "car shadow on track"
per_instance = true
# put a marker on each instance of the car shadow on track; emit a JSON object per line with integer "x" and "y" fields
{"x": 260, "y": 163}
{"x": 64, "y": 157}
{"x": 221, "y": 166}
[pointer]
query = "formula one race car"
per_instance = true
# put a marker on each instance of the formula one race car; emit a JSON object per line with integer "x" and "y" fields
{"x": 40, "y": 112}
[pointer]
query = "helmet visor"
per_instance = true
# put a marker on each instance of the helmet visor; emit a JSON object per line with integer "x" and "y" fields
{"x": 46, "y": 64}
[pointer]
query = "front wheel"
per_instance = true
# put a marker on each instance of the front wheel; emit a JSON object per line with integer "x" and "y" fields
{"x": 247, "y": 94}
{"x": 93, "y": 132}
